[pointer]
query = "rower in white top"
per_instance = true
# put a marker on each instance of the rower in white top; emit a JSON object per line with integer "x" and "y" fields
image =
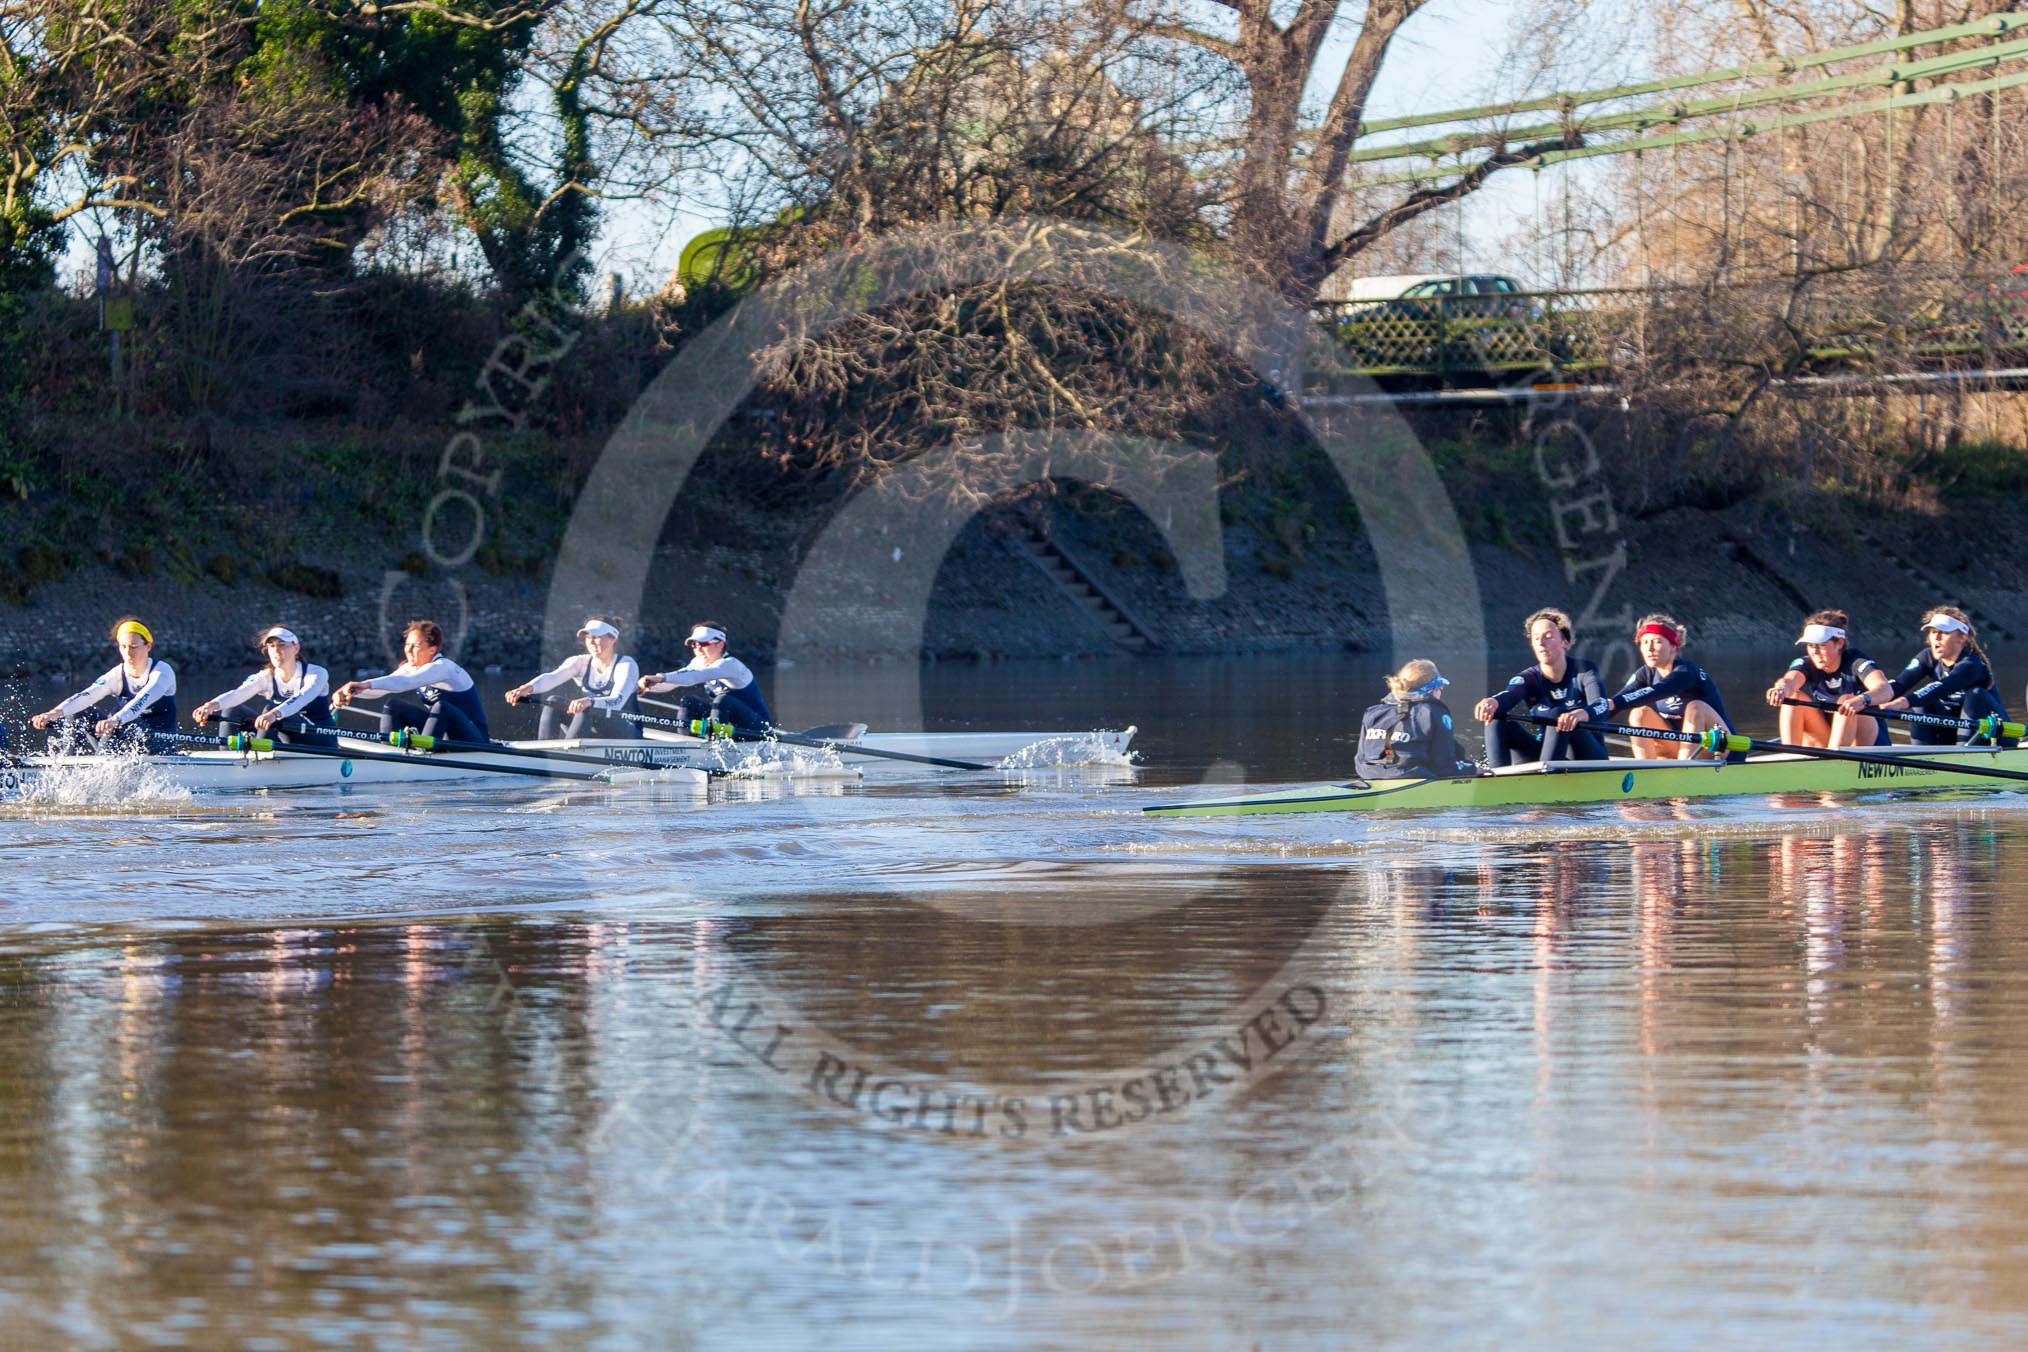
{"x": 146, "y": 688}
{"x": 717, "y": 685}
{"x": 293, "y": 692}
{"x": 606, "y": 682}
{"x": 450, "y": 698}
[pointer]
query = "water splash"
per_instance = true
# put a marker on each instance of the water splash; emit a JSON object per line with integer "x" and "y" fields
{"x": 1056, "y": 753}
{"x": 118, "y": 780}
{"x": 776, "y": 760}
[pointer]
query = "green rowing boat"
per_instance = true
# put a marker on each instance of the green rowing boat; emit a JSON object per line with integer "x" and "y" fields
{"x": 1611, "y": 781}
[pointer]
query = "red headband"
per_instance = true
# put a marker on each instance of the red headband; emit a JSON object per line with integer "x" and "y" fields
{"x": 1674, "y": 636}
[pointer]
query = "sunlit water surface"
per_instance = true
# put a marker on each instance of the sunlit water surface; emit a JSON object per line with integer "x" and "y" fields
{"x": 996, "y": 1062}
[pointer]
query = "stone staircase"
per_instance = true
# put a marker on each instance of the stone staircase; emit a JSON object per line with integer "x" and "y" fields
{"x": 1988, "y": 627}
{"x": 1030, "y": 538}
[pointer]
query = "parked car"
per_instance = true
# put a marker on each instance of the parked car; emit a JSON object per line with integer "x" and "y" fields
{"x": 1474, "y": 293}
{"x": 1426, "y": 319}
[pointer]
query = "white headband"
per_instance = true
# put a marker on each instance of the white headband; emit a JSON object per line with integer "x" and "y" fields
{"x": 598, "y": 629}
{"x": 704, "y": 633}
{"x": 1820, "y": 633}
{"x": 1947, "y": 624}
{"x": 284, "y": 635}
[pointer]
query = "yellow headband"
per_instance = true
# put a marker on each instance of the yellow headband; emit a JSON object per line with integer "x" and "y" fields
{"x": 133, "y": 627}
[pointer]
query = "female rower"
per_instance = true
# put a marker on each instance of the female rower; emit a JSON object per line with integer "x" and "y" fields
{"x": 1949, "y": 677}
{"x": 1555, "y": 684}
{"x": 1408, "y": 734}
{"x": 728, "y": 690}
{"x": 450, "y": 699}
{"x": 1829, "y": 670}
{"x": 1665, "y": 693}
{"x": 294, "y": 691}
{"x": 606, "y": 684}
{"x": 146, "y": 687}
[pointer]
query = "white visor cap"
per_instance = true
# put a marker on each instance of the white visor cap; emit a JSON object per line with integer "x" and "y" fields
{"x": 598, "y": 629}
{"x": 704, "y": 633}
{"x": 1946, "y": 624}
{"x": 1820, "y": 633}
{"x": 285, "y": 635}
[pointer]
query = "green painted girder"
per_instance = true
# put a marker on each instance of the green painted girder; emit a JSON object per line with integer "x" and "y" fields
{"x": 1997, "y": 25}
{"x": 1639, "y": 119}
{"x": 1950, "y": 93}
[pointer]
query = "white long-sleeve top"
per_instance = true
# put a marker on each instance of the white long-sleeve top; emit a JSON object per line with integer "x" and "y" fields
{"x": 727, "y": 673}
{"x": 286, "y": 697}
{"x": 441, "y": 672}
{"x": 157, "y": 684}
{"x": 618, "y": 681}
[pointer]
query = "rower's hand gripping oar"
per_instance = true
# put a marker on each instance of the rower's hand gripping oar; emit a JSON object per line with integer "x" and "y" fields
{"x": 1987, "y": 727}
{"x": 1716, "y": 739}
{"x": 700, "y": 727}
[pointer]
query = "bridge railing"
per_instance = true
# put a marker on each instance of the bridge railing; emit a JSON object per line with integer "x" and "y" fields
{"x": 1862, "y": 319}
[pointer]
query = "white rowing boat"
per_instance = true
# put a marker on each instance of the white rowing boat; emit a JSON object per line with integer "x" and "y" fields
{"x": 1004, "y": 750}
{"x": 661, "y": 759}
{"x": 221, "y": 771}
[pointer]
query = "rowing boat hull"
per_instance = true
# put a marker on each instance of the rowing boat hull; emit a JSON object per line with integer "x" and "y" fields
{"x": 372, "y": 763}
{"x": 1575, "y": 783}
{"x": 1105, "y": 746}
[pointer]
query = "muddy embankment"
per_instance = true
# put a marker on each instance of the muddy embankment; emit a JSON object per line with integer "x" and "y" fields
{"x": 1076, "y": 573}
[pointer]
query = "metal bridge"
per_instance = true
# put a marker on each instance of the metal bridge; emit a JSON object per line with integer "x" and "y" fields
{"x": 1924, "y": 309}
{"x": 1939, "y": 325}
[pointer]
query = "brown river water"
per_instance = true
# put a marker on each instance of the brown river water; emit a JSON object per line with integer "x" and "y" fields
{"x": 997, "y": 1062}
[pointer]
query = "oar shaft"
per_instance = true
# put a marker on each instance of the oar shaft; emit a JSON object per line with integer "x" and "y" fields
{"x": 1733, "y": 742}
{"x": 1991, "y": 727}
{"x": 416, "y": 741}
{"x": 392, "y": 758}
{"x": 650, "y": 721}
{"x": 826, "y": 744}
{"x": 1715, "y": 740}
{"x": 702, "y": 728}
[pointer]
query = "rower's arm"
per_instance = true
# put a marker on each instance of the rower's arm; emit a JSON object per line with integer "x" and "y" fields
{"x": 728, "y": 669}
{"x": 438, "y": 671}
{"x": 1970, "y": 672}
{"x": 90, "y": 695}
{"x": 549, "y": 680}
{"x": 1504, "y": 700}
{"x": 1590, "y": 688}
{"x": 240, "y": 693}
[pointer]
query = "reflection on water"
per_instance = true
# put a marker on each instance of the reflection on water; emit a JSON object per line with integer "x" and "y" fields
{"x": 1755, "y": 1088}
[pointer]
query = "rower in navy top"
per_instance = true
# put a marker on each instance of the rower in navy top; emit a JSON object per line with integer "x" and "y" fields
{"x": 293, "y": 693}
{"x": 718, "y": 685}
{"x": 1829, "y": 670}
{"x": 1665, "y": 692}
{"x": 450, "y": 698}
{"x": 1556, "y": 683}
{"x": 606, "y": 684}
{"x": 1408, "y": 735}
{"x": 146, "y": 689}
{"x": 1949, "y": 677}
